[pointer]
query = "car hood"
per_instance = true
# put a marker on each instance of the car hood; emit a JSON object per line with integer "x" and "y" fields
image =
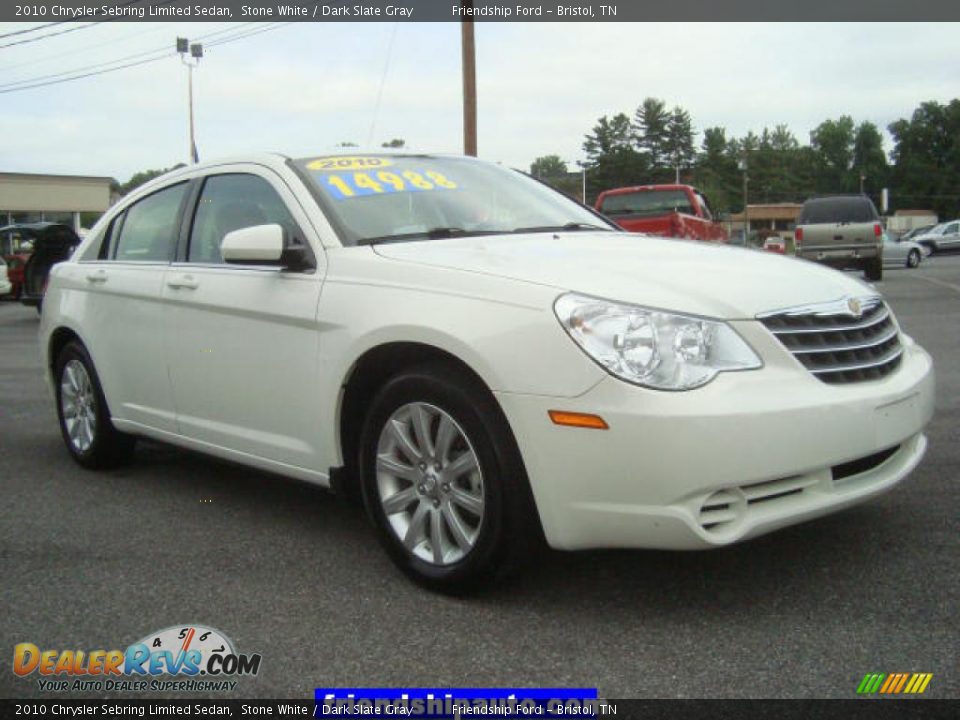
{"x": 687, "y": 276}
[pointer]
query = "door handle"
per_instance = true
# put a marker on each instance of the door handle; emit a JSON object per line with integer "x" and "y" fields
{"x": 97, "y": 276}
{"x": 187, "y": 282}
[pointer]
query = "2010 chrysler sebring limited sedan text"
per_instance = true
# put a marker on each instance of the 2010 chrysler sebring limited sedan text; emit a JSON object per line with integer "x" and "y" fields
{"x": 484, "y": 361}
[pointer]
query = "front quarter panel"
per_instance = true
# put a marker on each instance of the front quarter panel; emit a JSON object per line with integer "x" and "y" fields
{"x": 504, "y": 330}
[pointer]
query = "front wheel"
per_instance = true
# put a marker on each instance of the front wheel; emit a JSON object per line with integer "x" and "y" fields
{"x": 913, "y": 259}
{"x": 873, "y": 269}
{"x": 85, "y": 423}
{"x": 443, "y": 482}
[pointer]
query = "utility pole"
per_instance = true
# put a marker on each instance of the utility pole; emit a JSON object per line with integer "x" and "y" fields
{"x": 469, "y": 61}
{"x": 190, "y": 56}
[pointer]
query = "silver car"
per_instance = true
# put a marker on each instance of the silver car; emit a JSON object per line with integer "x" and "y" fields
{"x": 945, "y": 236}
{"x": 898, "y": 252}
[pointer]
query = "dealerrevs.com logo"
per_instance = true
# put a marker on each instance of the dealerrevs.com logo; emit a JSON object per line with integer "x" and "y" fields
{"x": 178, "y": 658}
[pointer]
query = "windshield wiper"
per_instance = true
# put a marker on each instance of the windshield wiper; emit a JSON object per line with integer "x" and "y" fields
{"x": 569, "y": 227}
{"x": 431, "y": 234}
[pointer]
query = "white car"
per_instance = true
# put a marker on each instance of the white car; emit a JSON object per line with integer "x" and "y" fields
{"x": 6, "y": 287}
{"x": 487, "y": 363}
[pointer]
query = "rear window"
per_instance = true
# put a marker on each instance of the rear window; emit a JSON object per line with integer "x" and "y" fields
{"x": 646, "y": 202}
{"x": 838, "y": 210}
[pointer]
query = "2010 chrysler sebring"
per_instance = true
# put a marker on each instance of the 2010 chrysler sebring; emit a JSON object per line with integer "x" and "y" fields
{"x": 487, "y": 363}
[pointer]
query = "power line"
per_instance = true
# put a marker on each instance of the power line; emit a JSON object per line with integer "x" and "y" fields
{"x": 222, "y": 41}
{"x": 68, "y": 30}
{"x": 32, "y": 29}
{"x": 383, "y": 80}
{"x": 100, "y": 65}
{"x": 49, "y": 35}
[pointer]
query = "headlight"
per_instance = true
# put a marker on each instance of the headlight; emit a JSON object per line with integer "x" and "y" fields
{"x": 653, "y": 348}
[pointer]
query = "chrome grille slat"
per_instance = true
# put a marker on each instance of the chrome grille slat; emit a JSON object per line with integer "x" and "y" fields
{"x": 892, "y": 333}
{"x": 837, "y": 345}
{"x": 827, "y": 328}
{"x": 892, "y": 355}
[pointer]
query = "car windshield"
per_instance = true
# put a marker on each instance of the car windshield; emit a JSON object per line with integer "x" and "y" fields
{"x": 646, "y": 202}
{"x": 392, "y": 198}
{"x": 837, "y": 210}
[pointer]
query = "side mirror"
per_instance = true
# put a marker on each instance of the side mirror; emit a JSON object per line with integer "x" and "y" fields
{"x": 256, "y": 245}
{"x": 266, "y": 245}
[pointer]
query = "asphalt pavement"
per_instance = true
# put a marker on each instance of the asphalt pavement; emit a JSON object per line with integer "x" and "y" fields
{"x": 99, "y": 560}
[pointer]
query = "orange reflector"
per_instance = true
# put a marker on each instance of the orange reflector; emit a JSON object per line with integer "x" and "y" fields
{"x": 581, "y": 420}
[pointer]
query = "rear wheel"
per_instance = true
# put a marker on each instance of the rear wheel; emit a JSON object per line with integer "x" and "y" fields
{"x": 913, "y": 259}
{"x": 442, "y": 481}
{"x": 85, "y": 423}
{"x": 873, "y": 269}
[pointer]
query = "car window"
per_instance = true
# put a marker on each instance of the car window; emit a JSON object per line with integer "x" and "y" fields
{"x": 149, "y": 229}
{"x": 646, "y": 202}
{"x": 232, "y": 202}
{"x": 837, "y": 210}
{"x": 705, "y": 207}
{"x": 951, "y": 229}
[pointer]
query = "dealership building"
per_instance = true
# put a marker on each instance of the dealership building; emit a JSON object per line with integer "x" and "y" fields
{"x": 26, "y": 197}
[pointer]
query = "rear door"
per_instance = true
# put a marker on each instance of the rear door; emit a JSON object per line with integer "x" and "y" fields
{"x": 242, "y": 340}
{"x": 122, "y": 285}
{"x": 951, "y": 236}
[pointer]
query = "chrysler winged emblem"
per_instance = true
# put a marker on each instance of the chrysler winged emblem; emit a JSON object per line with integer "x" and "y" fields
{"x": 853, "y": 305}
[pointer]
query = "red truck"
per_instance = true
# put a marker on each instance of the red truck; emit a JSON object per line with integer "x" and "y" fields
{"x": 678, "y": 211}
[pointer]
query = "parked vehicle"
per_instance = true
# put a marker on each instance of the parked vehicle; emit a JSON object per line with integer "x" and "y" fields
{"x": 923, "y": 229}
{"x": 677, "y": 211}
{"x": 51, "y": 243}
{"x": 6, "y": 287}
{"x": 842, "y": 231}
{"x": 15, "y": 265}
{"x": 898, "y": 252}
{"x": 775, "y": 245}
{"x": 484, "y": 361}
{"x": 945, "y": 236}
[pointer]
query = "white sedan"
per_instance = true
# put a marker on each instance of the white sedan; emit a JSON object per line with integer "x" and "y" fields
{"x": 485, "y": 362}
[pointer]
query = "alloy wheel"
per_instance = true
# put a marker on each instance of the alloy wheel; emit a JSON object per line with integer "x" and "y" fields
{"x": 429, "y": 483}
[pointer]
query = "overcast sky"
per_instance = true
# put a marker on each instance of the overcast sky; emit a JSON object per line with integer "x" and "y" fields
{"x": 304, "y": 87}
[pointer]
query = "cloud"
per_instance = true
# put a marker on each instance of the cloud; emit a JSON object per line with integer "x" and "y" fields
{"x": 542, "y": 87}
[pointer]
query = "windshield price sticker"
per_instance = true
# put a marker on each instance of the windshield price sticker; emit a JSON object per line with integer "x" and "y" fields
{"x": 344, "y": 185}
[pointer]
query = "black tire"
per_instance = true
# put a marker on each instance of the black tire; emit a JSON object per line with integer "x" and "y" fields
{"x": 109, "y": 447}
{"x": 913, "y": 259}
{"x": 506, "y": 536}
{"x": 873, "y": 269}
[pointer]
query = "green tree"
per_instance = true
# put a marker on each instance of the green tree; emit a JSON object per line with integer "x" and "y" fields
{"x": 716, "y": 173}
{"x": 832, "y": 142}
{"x": 608, "y": 134}
{"x": 395, "y": 143}
{"x": 145, "y": 176}
{"x": 869, "y": 160}
{"x": 926, "y": 155}
{"x": 652, "y": 123}
{"x": 548, "y": 166}
{"x": 679, "y": 144}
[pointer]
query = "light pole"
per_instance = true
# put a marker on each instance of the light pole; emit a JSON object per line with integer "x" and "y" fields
{"x": 746, "y": 211}
{"x": 583, "y": 178}
{"x": 190, "y": 56}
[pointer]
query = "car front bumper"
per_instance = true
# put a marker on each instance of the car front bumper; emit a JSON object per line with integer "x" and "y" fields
{"x": 749, "y": 453}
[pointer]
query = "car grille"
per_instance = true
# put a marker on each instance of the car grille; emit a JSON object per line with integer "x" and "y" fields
{"x": 848, "y": 341}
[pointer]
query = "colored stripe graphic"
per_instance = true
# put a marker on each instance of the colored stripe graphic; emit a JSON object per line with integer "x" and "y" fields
{"x": 894, "y": 683}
